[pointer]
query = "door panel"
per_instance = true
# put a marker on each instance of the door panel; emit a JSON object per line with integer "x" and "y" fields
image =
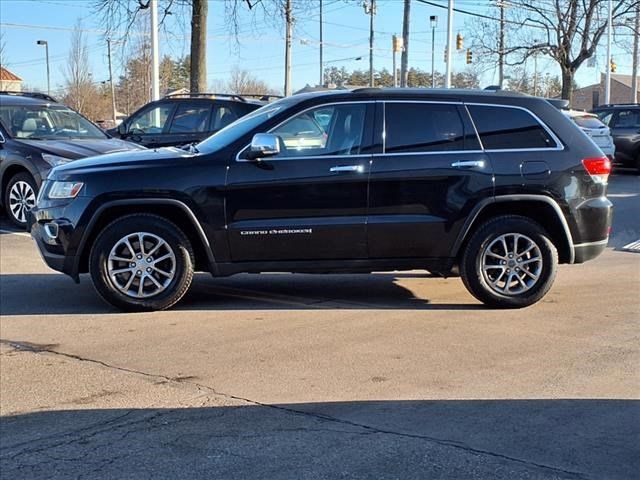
{"x": 426, "y": 183}
{"x": 309, "y": 202}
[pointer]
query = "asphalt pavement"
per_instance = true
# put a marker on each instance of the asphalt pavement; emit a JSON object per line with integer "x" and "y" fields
{"x": 384, "y": 376}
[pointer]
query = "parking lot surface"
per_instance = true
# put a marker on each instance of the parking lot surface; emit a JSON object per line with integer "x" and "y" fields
{"x": 390, "y": 375}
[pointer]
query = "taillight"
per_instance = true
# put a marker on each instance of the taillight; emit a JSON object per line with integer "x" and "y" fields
{"x": 598, "y": 168}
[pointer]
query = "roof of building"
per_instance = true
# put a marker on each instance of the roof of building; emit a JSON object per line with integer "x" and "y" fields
{"x": 7, "y": 76}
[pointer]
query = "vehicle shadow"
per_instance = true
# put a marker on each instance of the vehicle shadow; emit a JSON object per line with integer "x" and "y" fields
{"x": 53, "y": 294}
{"x": 435, "y": 439}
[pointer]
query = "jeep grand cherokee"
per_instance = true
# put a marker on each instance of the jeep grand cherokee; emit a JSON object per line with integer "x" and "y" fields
{"x": 497, "y": 186}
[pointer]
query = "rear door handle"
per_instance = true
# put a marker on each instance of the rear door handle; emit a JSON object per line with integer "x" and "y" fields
{"x": 469, "y": 164}
{"x": 347, "y": 168}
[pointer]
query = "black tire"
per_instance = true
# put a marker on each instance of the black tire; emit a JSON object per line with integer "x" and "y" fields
{"x": 474, "y": 258}
{"x": 177, "y": 244}
{"x": 16, "y": 212}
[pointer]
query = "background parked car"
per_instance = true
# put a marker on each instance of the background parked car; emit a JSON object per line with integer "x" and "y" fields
{"x": 180, "y": 119}
{"x": 592, "y": 126}
{"x": 36, "y": 134}
{"x": 624, "y": 122}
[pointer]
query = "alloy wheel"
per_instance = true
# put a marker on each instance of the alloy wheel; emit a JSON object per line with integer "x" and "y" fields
{"x": 141, "y": 265}
{"x": 22, "y": 198}
{"x": 511, "y": 264}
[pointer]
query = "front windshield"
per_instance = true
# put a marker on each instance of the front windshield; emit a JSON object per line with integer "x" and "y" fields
{"x": 46, "y": 122}
{"x": 242, "y": 126}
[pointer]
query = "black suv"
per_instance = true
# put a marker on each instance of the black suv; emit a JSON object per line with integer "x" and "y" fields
{"x": 497, "y": 186}
{"x": 624, "y": 122}
{"x": 36, "y": 134}
{"x": 181, "y": 119}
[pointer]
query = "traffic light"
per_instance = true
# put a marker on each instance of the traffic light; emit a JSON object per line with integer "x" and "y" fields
{"x": 469, "y": 56}
{"x": 613, "y": 65}
{"x": 445, "y": 54}
{"x": 459, "y": 41}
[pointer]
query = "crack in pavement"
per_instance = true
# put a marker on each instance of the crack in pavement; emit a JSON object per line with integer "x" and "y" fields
{"x": 28, "y": 347}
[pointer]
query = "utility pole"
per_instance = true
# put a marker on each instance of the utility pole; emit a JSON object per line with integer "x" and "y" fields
{"x": 501, "y": 46}
{"x": 113, "y": 91}
{"x": 370, "y": 9}
{"x": 535, "y": 73}
{"x": 397, "y": 45}
{"x": 447, "y": 77}
{"x": 321, "y": 46}
{"x": 287, "y": 53}
{"x": 155, "y": 57}
{"x": 607, "y": 82}
{"x": 404, "y": 57}
{"x": 434, "y": 23}
{"x": 634, "y": 67}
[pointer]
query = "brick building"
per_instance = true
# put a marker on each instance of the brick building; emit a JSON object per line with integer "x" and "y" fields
{"x": 589, "y": 97}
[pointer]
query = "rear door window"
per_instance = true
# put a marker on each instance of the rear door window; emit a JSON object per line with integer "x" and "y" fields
{"x": 505, "y": 128}
{"x": 190, "y": 118}
{"x": 424, "y": 127}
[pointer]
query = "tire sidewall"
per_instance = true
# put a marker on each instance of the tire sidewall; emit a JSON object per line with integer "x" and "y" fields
{"x": 472, "y": 262}
{"x": 133, "y": 224}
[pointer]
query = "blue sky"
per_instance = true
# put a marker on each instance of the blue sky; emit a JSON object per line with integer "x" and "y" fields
{"x": 261, "y": 48}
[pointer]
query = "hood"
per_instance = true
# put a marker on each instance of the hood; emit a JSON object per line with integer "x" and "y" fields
{"x": 80, "y": 148}
{"x": 122, "y": 161}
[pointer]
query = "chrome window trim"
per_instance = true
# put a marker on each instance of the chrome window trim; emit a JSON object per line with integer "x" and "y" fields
{"x": 475, "y": 129}
{"x": 275, "y": 159}
{"x": 443, "y": 152}
{"x": 559, "y": 145}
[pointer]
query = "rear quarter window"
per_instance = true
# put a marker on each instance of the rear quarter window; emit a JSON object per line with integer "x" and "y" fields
{"x": 506, "y": 128}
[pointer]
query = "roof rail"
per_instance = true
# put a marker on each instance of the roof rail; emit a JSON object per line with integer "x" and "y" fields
{"x": 261, "y": 96}
{"x": 618, "y": 105}
{"x": 366, "y": 90}
{"x": 42, "y": 96}
{"x": 196, "y": 95}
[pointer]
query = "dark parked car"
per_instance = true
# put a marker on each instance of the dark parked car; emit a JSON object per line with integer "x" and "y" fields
{"x": 624, "y": 122}
{"x": 497, "y": 186}
{"x": 181, "y": 119}
{"x": 36, "y": 134}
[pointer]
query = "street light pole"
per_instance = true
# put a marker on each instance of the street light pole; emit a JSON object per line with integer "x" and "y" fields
{"x": 447, "y": 78}
{"x": 155, "y": 56}
{"x": 113, "y": 92}
{"x": 321, "y": 46}
{"x": 607, "y": 83}
{"x": 434, "y": 23}
{"x": 46, "y": 49}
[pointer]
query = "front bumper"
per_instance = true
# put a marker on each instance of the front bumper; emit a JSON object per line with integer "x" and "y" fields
{"x": 54, "y": 227}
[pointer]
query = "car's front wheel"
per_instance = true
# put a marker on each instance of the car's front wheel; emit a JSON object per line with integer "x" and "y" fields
{"x": 20, "y": 197}
{"x": 509, "y": 262}
{"x": 141, "y": 262}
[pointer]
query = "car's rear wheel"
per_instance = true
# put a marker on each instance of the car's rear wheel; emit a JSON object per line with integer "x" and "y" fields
{"x": 141, "y": 262}
{"x": 509, "y": 262}
{"x": 20, "y": 197}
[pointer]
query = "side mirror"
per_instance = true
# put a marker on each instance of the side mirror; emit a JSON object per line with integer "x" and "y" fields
{"x": 122, "y": 129}
{"x": 263, "y": 145}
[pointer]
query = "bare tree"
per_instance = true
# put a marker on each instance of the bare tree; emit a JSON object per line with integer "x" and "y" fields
{"x": 568, "y": 31}
{"x": 119, "y": 16}
{"x": 77, "y": 72}
{"x": 3, "y": 51}
{"x": 242, "y": 82}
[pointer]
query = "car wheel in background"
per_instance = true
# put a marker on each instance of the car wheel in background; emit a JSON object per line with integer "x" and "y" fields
{"x": 20, "y": 197}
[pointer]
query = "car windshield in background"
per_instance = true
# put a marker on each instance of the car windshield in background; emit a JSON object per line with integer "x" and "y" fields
{"x": 588, "y": 121}
{"x": 46, "y": 122}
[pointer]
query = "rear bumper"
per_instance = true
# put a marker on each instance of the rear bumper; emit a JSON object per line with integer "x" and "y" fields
{"x": 589, "y": 251}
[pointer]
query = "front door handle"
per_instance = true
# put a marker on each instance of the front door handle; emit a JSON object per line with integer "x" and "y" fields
{"x": 469, "y": 164}
{"x": 347, "y": 168}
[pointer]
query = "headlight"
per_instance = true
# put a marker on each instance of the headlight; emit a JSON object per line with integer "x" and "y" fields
{"x": 64, "y": 190}
{"x": 55, "y": 160}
